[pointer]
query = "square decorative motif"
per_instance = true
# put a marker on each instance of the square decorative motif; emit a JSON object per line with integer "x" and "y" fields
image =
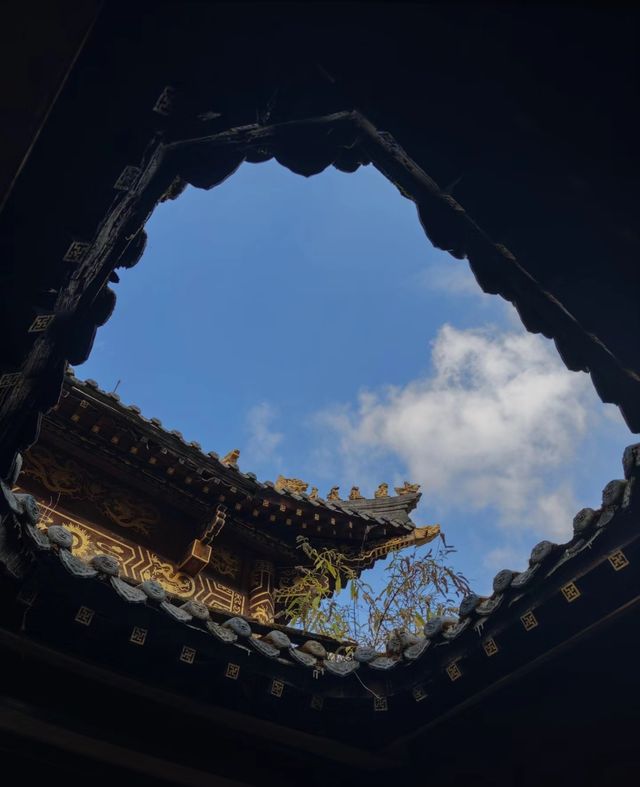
{"x": 529, "y": 621}
{"x": 277, "y": 687}
{"x": 232, "y": 671}
{"x": 490, "y": 647}
{"x": 419, "y": 693}
{"x": 10, "y": 379}
{"x": 76, "y": 252}
{"x": 138, "y": 636}
{"x": 317, "y": 702}
{"x": 380, "y": 704}
{"x": 618, "y": 560}
{"x": 187, "y": 654}
{"x": 453, "y": 671}
{"x": 571, "y": 592}
{"x": 127, "y": 179}
{"x": 41, "y": 323}
{"x": 27, "y": 595}
{"x": 84, "y": 616}
{"x": 164, "y": 104}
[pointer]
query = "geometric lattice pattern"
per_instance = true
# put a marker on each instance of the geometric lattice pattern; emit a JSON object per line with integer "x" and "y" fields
{"x": 419, "y": 693}
{"x": 380, "y": 704}
{"x": 453, "y": 671}
{"x": 618, "y": 560}
{"x": 529, "y": 621}
{"x": 76, "y": 251}
{"x": 41, "y": 323}
{"x": 277, "y": 687}
{"x": 9, "y": 379}
{"x": 571, "y": 592}
{"x": 139, "y": 563}
{"x": 187, "y": 655}
{"x": 84, "y": 616}
{"x": 490, "y": 647}
{"x": 138, "y": 636}
{"x": 232, "y": 671}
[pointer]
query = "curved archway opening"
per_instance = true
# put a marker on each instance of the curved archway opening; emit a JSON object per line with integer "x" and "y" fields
{"x": 306, "y": 322}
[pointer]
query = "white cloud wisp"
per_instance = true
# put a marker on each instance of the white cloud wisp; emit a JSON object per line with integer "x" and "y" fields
{"x": 262, "y": 440}
{"x": 490, "y": 428}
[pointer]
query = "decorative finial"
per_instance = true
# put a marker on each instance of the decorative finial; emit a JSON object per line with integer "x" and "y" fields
{"x": 334, "y": 493}
{"x": 313, "y": 495}
{"x": 231, "y": 459}
{"x": 354, "y": 494}
{"x": 382, "y": 490}
{"x": 295, "y": 485}
{"x": 407, "y": 489}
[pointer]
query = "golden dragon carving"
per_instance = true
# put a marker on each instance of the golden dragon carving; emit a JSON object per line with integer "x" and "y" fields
{"x": 68, "y": 478}
{"x": 417, "y": 537}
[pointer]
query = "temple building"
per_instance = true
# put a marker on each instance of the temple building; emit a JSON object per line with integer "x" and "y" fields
{"x": 195, "y": 523}
{"x": 138, "y": 572}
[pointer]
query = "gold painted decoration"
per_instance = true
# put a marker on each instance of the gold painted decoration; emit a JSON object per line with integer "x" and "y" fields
{"x": 127, "y": 512}
{"x": 68, "y": 478}
{"x": 84, "y": 616}
{"x": 618, "y": 560}
{"x": 417, "y": 537}
{"x": 571, "y": 592}
{"x": 172, "y": 580}
{"x": 407, "y": 489}
{"x": 139, "y": 563}
{"x": 490, "y": 647}
{"x": 382, "y": 491}
{"x": 231, "y": 459}
{"x": 295, "y": 485}
{"x": 313, "y": 494}
{"x": 187, "y": 654}
{"x": 354, "y": 494}
{"x": 232, "y": 671}
{"x": 453, "y": 671}
{"x": 380, "y": 704}
{"x": 224, "y": 562}
{"x": 261, "y": 602}
{"x": 277, "y": 688}
{"x": 138, "y": 636}
{"x": 419, "y": 693}
{"x": 334, "y": 493}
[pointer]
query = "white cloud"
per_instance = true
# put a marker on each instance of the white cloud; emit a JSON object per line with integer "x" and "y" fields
{"x": 262, "y": 439}
{"x": 494, "y": 427}
{"x": 451, "y": 277}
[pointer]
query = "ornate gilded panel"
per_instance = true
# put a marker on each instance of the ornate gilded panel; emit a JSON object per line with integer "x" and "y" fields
{"x": 67, "y": 478}
{"x": 139, "y": 563}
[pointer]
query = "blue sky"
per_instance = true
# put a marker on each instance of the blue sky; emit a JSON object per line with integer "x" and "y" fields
{"x": 310, "y": 323}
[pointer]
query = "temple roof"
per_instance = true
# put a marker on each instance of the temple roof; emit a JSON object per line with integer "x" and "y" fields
{"x": 97, "y": 424}
{"x": 564, "y": 588}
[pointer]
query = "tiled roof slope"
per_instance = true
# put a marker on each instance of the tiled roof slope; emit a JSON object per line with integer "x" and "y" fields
{"x": 564, "y": 588}
{"x": 382, "y": 516}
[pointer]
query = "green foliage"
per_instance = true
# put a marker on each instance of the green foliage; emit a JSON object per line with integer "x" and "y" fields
{"x": 416, "y": 586}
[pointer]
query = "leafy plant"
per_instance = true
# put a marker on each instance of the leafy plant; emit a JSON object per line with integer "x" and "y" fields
{"x": 329, "y": 596}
